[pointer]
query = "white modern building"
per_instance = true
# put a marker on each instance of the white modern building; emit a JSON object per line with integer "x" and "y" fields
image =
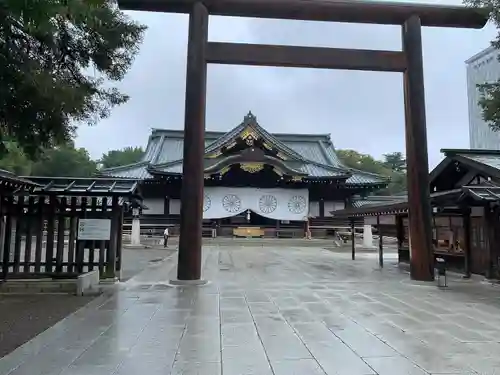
{"x": 482, "y": 67}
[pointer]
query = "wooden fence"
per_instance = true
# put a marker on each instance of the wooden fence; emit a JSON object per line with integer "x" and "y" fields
{"x": 39, "y": 236}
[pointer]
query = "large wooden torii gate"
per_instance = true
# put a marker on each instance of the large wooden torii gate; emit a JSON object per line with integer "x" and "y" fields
{"x": 408, "y": 61}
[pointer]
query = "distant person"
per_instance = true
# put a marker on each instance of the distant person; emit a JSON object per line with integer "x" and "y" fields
{"x": 165, "y": 237}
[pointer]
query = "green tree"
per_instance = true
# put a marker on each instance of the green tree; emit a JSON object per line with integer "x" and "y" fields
{"x": 64, "y": 161}
{"x": 397, "y": 184}
{"x": 489, "y": 99}
{"x": 392, "y": 167}
{"x": 116, "y": 158}
{"x": 15, "y": 160}
{"x": 58, "y": 60}
{"x": 395, "y": 161}
{"x": 364, "y": 162}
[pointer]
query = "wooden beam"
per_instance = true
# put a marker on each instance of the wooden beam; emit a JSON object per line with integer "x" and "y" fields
{"x": 305, "y": 57}
{"x": 419, "y": 206}
{"x": 375, "y": 12}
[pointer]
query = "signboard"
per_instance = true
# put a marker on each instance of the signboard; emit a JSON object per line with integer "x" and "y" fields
{"x": 94, "y": 229}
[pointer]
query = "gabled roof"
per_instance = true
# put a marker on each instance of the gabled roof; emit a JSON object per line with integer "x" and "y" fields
{"x": 478, "y": 162}
{"x": 164, "y": 153}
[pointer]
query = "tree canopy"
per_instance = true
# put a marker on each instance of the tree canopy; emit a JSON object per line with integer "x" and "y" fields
{"x": 15, "y": 160}
{"x": 490, "y": 91}
{"x": 127, "y": 155}
{"x": 393, "y": 166}
{"x": 58, "y": 58}
{"x": 395, "y": 161}
{"x": 64, "y": 161}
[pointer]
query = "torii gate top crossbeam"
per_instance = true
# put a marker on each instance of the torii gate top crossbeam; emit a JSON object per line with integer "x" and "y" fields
{"x": 354, "y": 11}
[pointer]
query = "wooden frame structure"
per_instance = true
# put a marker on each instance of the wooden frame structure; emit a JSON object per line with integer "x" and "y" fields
{"x": 39, "y": 226}
{"x": 408, "y": 61}
{"x": 465, "y": 211}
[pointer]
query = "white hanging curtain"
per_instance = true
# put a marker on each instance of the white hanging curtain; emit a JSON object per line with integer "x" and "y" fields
{"x": 276, "y": 204}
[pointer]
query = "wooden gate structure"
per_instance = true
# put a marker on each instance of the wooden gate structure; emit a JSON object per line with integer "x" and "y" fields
{"x": 40, "y": 222}
{"x": 408, "y": 61}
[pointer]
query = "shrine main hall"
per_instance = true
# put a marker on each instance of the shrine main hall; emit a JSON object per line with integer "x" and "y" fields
{"x": 256, "y": 183}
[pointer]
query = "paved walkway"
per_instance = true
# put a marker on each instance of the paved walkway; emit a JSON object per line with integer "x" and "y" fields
{"x": 298, "y": 311}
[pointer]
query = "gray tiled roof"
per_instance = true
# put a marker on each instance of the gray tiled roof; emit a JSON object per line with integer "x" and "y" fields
{"x": 137, "y": 171}
{"x": 165, "y": 148}
{"x": 378, "y": 200}
{"x": 489, "y": 160}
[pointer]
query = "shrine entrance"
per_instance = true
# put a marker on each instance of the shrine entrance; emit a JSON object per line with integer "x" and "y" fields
{"x": 408, "y": 61}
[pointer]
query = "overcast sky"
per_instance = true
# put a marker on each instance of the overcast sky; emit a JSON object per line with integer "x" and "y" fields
{"x": 361, "y": 110}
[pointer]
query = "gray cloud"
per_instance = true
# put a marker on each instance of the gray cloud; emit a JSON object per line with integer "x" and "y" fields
{"x": 361, "y": 110}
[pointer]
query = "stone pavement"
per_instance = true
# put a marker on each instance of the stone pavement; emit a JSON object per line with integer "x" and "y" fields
{"x": 296, "y": 311}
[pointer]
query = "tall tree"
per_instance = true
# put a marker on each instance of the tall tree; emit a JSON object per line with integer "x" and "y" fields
{"x": 64, "y": 161}
{"x": 15, "y": 160}
{"x": 364, "y": 162}
{"x": 48, "y": 49}
{"x": 393, "y": 167}
{"x": 127, "y": 155}
{"x": 490, "y": 91}
{"x": 395, "y": 161}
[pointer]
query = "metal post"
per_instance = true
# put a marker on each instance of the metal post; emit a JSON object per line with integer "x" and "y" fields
{"x": 421, "y": 260}
{"x": 189, "y": 264}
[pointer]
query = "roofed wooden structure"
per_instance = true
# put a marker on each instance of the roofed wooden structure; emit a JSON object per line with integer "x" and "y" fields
{"x": 42, "y": 221}
{"x": 466, "y": 190}
{"x": 308, "y": 156}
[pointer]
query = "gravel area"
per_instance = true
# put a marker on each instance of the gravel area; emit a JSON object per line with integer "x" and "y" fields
{"x": 22, "y": 317}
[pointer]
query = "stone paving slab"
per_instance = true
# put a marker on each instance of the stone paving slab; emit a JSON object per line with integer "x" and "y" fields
{"x": 276, "y": 311}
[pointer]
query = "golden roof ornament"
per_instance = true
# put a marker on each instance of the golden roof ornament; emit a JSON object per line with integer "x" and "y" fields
{"x": 278, "y": 171}
{"x": 224, "y": 170}
{"x": 215, "y": 154}
{"x": 252, "y": 167}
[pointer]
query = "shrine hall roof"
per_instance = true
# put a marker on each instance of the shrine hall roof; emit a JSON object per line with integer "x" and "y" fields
{"x": 315, "y": 152}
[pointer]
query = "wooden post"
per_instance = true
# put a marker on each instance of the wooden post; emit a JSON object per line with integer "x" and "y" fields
{"x": 399, "y": 235}
{"x": 321, "y": 208}
{"x": 467, "y": 240}
{"x": 189, "y": 264}
{"x": 7, "y": 236}
{"x": 380, "y": 244}
{"x": 492, "y": 226}
{"x": 353, "y": 243}
{"x": 421, "y": 260}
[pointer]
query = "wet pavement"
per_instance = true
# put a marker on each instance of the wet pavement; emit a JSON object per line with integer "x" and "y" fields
{"x": 281, "y": 311}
